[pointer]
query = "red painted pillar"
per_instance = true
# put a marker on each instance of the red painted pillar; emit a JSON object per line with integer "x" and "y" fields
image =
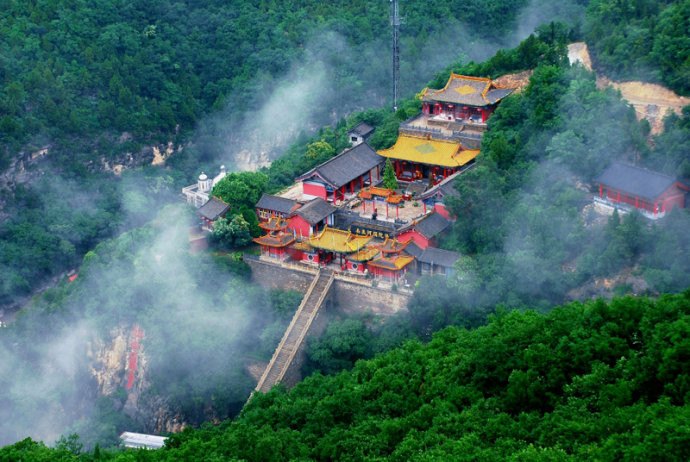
{"x": 637, "y": 202}
{"x": 601, "y": 191}
{"x": 618, "y": 196}
{"x": 424, "y": 204}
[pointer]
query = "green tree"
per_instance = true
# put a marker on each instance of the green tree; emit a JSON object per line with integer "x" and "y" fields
{"x": 319, "y": 151}
{"x": 343, "y": 343}
{"x": 389, "y": 179}
{"x": 231, "y": 233}
{"x": 241, "y": 190}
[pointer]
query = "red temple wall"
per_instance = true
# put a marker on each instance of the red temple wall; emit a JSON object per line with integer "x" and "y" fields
{"x": 674, "y": 197}
{"x": 442, "y": 210}
{"x": 418, "y": 239}
{"x": 314, "y": 189}
{"x": 295, "y": 254}
{"x": 310, "y": 257}
{"x": 299, "y": 226}
{"x": 386, "y": 273}
{"x": 673, "y": 201}
{"x": 360, "y": 266}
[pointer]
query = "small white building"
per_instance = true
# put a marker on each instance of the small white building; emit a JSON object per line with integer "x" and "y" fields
{"x": 141, "y": 440}
{"x": 359, "y": 133}
{"x": 198, "y": 193}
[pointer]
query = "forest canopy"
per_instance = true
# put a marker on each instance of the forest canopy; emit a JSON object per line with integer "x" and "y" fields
{"x": 594, "y": 381}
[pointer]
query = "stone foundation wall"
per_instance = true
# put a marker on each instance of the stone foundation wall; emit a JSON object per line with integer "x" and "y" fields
{"x": 273, "y": 276}
{"x": 345, "y": 297}
{"x": 354, "y": 299}
{"x": 349, "y": 298}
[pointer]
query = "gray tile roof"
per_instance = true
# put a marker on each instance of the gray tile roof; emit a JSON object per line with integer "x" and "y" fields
{"x": 469, "y": 140}
{"x": 346, "y": 166}
{"x": 440, "y": 257}
{"x": 350, "y": 220}
{"x": 277, "y": 203}
{"x": 635, "y": 180}
{"x": 213, "y": 209}
{"x": 315, "y": 210}
{"x": 414, "y": 250}
{"x": 362, "y": 129}
{"x": 432, "y": 225}
{"x": 416, "y": 187}
{"x": 496, "y": 94}
{"x": 444, "y": 188}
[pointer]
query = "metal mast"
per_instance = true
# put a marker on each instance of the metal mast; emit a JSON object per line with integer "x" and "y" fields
{"x": 395, "y": 22}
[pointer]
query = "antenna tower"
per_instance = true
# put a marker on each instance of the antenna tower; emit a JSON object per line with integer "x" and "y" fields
{"x": 396, "y": 20}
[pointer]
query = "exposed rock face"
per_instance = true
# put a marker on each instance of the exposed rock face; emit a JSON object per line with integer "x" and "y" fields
{"x": 121, "y": 363}
{"x": 109, "y": 361}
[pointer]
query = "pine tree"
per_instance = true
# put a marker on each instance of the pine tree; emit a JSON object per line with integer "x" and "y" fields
{"x": 389, "y": 179}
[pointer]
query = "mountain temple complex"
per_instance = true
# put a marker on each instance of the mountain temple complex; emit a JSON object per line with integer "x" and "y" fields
{"x": 339, "y": 213}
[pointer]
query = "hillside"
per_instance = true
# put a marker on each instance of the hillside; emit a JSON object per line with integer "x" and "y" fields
{"x": 645, "y": 41}
{"x": 90, "y": 91}
{"x": 595, "y": 381}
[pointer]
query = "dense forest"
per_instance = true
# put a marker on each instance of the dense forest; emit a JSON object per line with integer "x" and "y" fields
{"x": 641, "y": 40}
{"x": 73, "y": 69}
{"x": 594, "y": 381}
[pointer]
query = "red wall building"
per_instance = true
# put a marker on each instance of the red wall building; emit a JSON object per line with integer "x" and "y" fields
{"x": 343, "y": 175}
{"x": 635, "y": 187}
{"x": 464, "y": 98}
{"x": 424, "y": 233}
{"x": 312, "y": 217}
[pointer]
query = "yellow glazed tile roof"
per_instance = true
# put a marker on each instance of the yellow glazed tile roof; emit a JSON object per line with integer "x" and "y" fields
{"x": 365, "y": 254}
{"x": 394, "y": 263}
{"x": 429, "y": 151}
{"x": 275, "y": 240}
{"x": 466, "y": 90}
{"x": 337, "y": 240}
{"x": 303, "y": 246}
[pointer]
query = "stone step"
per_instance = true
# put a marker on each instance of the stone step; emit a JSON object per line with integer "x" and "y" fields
{"x": 296, "y": 331}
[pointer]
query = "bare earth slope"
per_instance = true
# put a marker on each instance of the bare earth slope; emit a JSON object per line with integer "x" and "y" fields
{"x": 651, "y": 101}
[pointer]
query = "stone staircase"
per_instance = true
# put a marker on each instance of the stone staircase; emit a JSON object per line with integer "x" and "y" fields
{"x": 297, "y": 330}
